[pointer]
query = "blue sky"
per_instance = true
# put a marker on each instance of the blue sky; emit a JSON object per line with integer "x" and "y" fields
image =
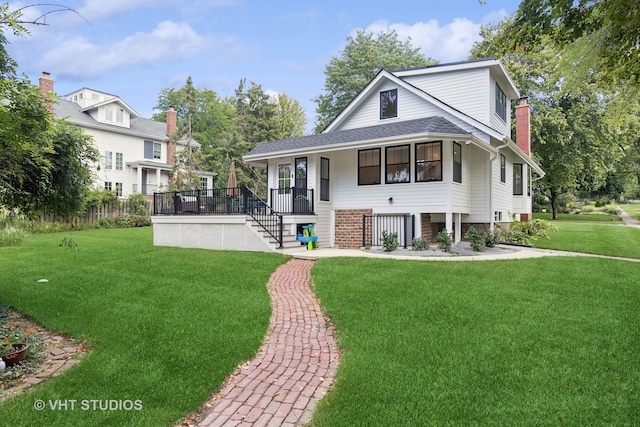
{"x": 135, "y": 48}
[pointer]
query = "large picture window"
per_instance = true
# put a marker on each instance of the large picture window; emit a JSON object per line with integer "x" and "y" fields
{"x": 501, "y": 103}
{"x": 517, "y": 179}
{"x": 324, "y": 179}
{"x": 457, "y": 162}
{"x": 389, "y": 104}
{"x": 369, "y": 167}
{"x": 429, "y": 161}
{"x": 397, "y": 167}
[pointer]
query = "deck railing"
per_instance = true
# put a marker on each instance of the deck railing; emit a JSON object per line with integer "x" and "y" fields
{"x": 374, "y": 225}
{"x": 292, "y": 200}
{"x": 225, "y": 201}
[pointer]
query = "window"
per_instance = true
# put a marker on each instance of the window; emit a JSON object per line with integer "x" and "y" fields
{"x": 324, "y": 179}
{"x": 369, "y": 167}
{"x": 457, "y": 162}
{"x": 284, "y": 178}
{"x": 119, "y": 161}
{"x": 108, "y": 160}
{"x": 429, "y": 161}
{"x": 301, "y": 172}
{"x": 503, "y": 168}
{"x": 119, "y": 189}
{"x": 389, "y": 104}
{"x": 204, "y": 183}
{"x": 80, "y": 95}
{"x": 120, "y": 115}
{"x": 107, "y": 185}
{"x": 397, "y": 164}
{"x": 152, "y": 150}
{"x": 501, "y": 103}
{"x": 497, "y": 216}
{"x": 517, "y": 179}
{"x": 108, "y": 113}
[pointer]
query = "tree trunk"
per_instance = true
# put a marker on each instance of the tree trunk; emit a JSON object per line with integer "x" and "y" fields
{"x": 554, "y": 205}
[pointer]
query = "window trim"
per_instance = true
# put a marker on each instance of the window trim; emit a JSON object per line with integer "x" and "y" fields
{"x": 518, "y": 186}
{"x": 456, "y": 165}
{"x": 503, "y": 168}
{"x": 119, "y": 161}
{"x": 427, "y": 161}
{"x": 306, "y": 172}
{"x": 325, "y": 181}
{"x": 379, "y": 166}
{"x": 501, "y": 103}
{"x": 387, "y": 164}
{"x": 383, "y": 110}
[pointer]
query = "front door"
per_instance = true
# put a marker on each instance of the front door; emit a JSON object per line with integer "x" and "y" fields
{"x": 282, "y": 197}
{"x": 300, "y": 197}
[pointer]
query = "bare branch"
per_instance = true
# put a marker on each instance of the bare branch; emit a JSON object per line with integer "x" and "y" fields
{"x": 41, "y": 20}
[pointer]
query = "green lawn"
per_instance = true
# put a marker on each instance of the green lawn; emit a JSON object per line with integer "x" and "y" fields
{"x": 592, "y": 236}
{"x": 166, "y": 324}
{"x": 551, "y": 341}
{"x": 582, "y": 217}
{"x": 632, "y": 209}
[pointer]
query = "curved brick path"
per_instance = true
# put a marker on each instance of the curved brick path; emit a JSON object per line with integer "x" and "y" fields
{"x": 295, "y": 365}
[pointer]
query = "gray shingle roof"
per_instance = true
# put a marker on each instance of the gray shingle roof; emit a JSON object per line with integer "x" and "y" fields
{"x": 434, "y": 124}
{"x": 138, "y": 125}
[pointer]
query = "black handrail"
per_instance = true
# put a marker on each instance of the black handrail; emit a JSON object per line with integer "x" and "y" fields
{"x": 261, "y": 212}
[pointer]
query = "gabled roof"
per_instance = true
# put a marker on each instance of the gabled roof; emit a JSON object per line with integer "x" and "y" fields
{"x": 139, "y": 127}
{"x": 387, "y": 75}
{"x": 115, "y": 100}
{"x": 435, "y": 125}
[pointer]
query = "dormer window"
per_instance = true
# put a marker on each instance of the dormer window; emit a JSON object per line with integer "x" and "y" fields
{"x": 388, "y": 104}
{"x": 120, "y": 115}
{"x": 501, "y": 103}
{"x": 108, "y": 113}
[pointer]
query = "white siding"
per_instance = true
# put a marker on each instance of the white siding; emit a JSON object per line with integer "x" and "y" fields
{"x": 465, "y": 90}
{"x": 410, "y": 106}
{"x": 460, "y": 192}
{"x": 479, "y": 182}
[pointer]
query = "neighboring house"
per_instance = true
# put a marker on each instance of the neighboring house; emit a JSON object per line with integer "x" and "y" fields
{"x": 137, "y": 154}
{"x": 431, "y": 144}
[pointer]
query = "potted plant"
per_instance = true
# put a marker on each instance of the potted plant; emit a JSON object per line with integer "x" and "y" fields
{"x": 13, "y": 345}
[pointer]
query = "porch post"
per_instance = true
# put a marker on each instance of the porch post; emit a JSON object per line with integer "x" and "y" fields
{"x": 139, "y": 180}
{"x": 158, "y": 174}
{"x": 449, "y": 222}
{"x": 458, "y": 228}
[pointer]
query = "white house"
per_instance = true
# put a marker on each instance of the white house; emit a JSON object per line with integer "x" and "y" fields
{"x": 137, "y": 154}
{"x": 415, "y": 152}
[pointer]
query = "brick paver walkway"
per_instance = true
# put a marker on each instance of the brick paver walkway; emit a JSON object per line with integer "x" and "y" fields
{"x": 295, "y": 366}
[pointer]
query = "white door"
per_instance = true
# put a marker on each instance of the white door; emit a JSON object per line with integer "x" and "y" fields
{"x": 281, "y": 198}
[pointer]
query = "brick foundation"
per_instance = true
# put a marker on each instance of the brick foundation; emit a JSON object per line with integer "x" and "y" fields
{"x": 348, "y": 228}
{"x": 426, "y": 228}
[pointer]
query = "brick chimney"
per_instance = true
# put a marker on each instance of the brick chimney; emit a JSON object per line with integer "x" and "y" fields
{"x": 172, "y": 121}
{"x": 523, "y": 126}
{"x": 46, "y": 89}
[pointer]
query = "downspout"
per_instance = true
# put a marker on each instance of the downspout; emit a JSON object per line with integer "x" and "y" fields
{"x": 492, "y": 218}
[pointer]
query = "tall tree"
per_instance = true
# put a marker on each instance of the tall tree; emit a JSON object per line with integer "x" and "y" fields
{"x": 44, "y": 163}
{"x": 362, "y": 58}
{"x": 569, "y": 136}
{"x": 608, "y": 29}
{"x": 290, "y": 117}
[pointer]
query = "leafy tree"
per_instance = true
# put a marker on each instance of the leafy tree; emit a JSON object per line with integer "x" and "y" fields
{"x": 363, "y": 57}
{"x": 43, "y": 162}
{"x": 290, "y": 118}
{"x": 606, "y": 33}
{"x": 569, "y": 126}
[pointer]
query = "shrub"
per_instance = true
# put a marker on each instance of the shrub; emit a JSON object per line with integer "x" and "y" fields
{"x": 138, "y": 204}
{"x": 587, "y": 209}
{"x": 602, "y": 202}
{"x": 444, "y": 240}
{"x": 525, "y": 231}
{"x": 100, "y": 197}
{"x": 128, "y": 221}
{"x": 389, "y": 241}
{"x": 612, "y": 209}
{"x": 492, "y": 238}
{"x": 106, "y": 222}
{"x": 476, "y": 237}
{"x": 10, "y": 233}
{"x": 419, "y": 244}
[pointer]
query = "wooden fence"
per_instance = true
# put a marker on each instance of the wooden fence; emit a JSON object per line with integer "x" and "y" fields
{"x": 94, "y": 214}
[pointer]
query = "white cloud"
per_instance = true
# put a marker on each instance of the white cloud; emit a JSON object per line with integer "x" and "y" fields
{"x": 446, "y": 43}
{"x": 100, "y": 8}
{"x": 168, "y": 42}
